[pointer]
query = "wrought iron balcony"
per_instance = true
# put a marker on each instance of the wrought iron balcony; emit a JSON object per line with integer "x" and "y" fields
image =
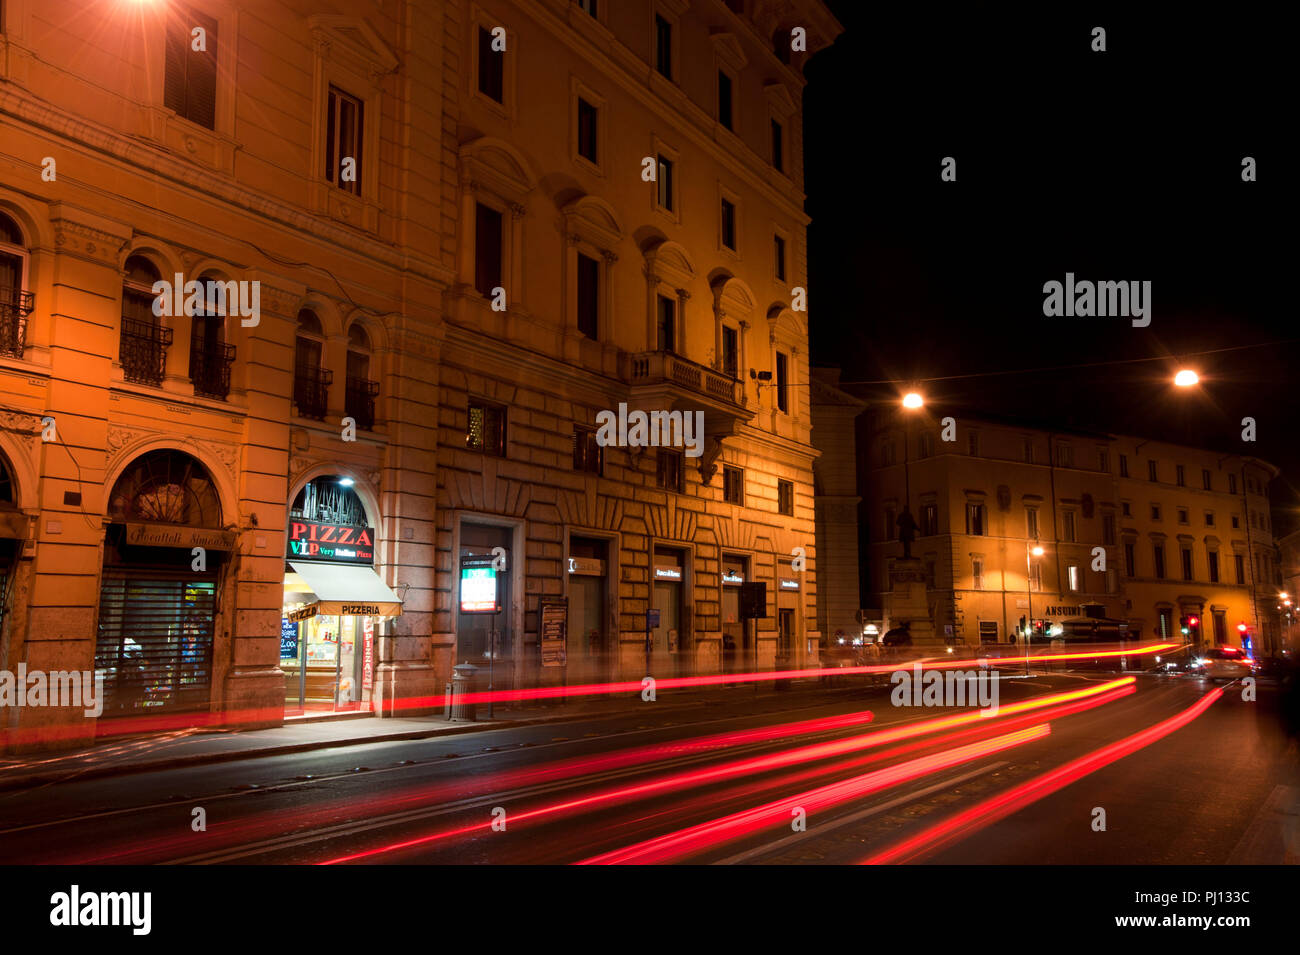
{"x": 15, "y": 306}
{"x": 210, "y": 370}
{"x": 311, "y": 391}
{"x": 360, "y": 401}
{"x": 143, "y": 350}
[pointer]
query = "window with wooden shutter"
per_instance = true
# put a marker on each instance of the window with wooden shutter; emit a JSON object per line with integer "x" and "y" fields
{"x": 190, "y": 75}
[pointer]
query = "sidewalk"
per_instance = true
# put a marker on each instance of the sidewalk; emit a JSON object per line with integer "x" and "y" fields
{"x": 191, "y": 747}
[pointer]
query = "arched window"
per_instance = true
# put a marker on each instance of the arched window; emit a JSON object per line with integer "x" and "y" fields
{"x": 165, "y": 487}
{"x": 210, "y": 355}
{"x": 361, "y": 389}
{"x": 329, "y": 500}
{"x": 310, "y": 380}
{"x": 15, "y": 301}
{"x": 6, "y": 485}
{"x": 142, "y": 349}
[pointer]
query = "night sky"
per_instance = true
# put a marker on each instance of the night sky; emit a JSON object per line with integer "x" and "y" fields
{"x": 1122, "y": 165}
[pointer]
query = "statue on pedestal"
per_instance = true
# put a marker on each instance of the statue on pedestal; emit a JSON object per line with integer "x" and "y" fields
{"x": 906, "y": 532}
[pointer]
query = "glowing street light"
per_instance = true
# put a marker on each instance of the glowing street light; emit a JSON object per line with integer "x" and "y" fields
{"x": 913, "y": 400}
{"x": 1186, "y": 378}
{"x": 1037, "y": 552}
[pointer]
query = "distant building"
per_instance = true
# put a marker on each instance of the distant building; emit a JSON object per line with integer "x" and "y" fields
{"x": 1129, "y": 530}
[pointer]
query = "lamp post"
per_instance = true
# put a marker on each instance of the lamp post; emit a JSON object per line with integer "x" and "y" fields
{"x": 1035, "y": 551}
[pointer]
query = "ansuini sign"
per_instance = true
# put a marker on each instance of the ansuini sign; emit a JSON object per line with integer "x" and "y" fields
{"x": 309, "y": 540}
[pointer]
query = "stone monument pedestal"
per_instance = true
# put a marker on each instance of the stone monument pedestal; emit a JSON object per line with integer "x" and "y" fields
{"x": 906, "y": 604}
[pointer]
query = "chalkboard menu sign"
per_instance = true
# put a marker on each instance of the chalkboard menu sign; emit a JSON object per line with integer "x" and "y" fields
{"x": 288, "y": 639}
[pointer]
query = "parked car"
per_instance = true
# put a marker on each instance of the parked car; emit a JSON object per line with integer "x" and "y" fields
{"x": 1224, "y": 663}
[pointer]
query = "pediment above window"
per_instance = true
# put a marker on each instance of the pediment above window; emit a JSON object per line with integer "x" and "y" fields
{"x": 353, "y": 39}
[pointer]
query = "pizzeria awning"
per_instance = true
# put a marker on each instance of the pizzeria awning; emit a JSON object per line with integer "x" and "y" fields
{"x": 344, "y": 590}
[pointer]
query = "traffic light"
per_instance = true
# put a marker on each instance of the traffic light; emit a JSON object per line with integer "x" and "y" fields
{"x": 1194, "y": 627}
{"x": 1184, "y": 625}
{"x": 1023, "y": 631}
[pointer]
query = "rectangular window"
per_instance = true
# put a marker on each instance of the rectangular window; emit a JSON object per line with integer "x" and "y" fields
{"x": 1232, "y": 484}
{"x": 1187, "y": 563}
{"x": 724, "y": 99}
{"x": 1213, "y": 559}
{"x": 663, "y": 46}
{"x": 1130, "y": 559}
{"x": 782, "y": 383}
{"x": 1068, "y": 526}
{"x": 1031, "y": 523}
{"x": 927, "y": 444}
{"x": 977, "y": 573}
{"x": 728, "y": 225}
{"x": 1029, "y": 450}
{"x": 665, "y": 184}
{"x": 785, "y": 497}
{"x": 189, "y": 75}
{"x": 1126, "y": 508}
{"x": 1209, "y": 518}
{"x": 778, "y": 147}
{"x": 670, "y": 470}
{"x": 975, "y": 519}
{"x": 1108, "y": 528}
{"x": 343, "y": 127}
{"x": 486, "y": 430}
{"x": 1220, "y": 626}
{"x": 1123, "y": 465}
{"x": 779, "y": 254}
{"x": 733, "y": 485}
{"x": 1152, "y": 473}
{"x": 1103, "y": 460}
{"x": 730, "y": 351}
{"x": 586, "y": 130}
{"x": 1180, "y": 476}
{"x": 488, "y": 231}
{"x": 1240, "y": 566}
{"x": 491, "y": 68}
{"x": 1158, "y": 555}
{"x": 588, "y": 455}
{"x": 588, "y": 296}
{"x": 1182, "y": 516}
{"x": 1206, "y": 482}
{"x": 1036, "y": 576}
{"x": 929, "y": 520}
{"x": 667, "y": 324}
{"x": 1064, "y": 456}
{"x": 1236, "y": 521}
{"x": 1073, "y": 578}
{"x": 1155, "y": 512}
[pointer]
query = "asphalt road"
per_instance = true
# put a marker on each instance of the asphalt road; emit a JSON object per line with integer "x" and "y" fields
{"x": 769, "y": 778}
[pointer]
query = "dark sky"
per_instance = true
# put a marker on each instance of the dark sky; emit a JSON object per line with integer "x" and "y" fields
{"x": 1122, "y": 165}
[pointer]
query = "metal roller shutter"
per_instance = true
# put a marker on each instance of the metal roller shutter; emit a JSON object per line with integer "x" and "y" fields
{"x": 155, "y": 640}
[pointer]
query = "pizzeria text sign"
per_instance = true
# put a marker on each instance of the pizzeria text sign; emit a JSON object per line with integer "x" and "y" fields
{"x": 309, "y": 540}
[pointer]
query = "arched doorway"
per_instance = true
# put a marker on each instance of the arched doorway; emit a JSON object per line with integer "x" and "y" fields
{"x": 13, "y": 529}
{"x": 164, "y": 548}
{"x": 334, "y": 601}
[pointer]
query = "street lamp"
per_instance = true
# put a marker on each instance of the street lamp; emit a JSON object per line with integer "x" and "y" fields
{"x": 1036, "y": 551}
{"x": 1186, "y": 378}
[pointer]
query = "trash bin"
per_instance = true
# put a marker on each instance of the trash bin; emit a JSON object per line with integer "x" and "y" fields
{"x": 462, "y": 682}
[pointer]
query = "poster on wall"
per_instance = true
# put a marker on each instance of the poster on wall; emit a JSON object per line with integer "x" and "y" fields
{"x": 478, "y": 585}
{"x": 288, "y": 639}
{"x": 554, "y": 631}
